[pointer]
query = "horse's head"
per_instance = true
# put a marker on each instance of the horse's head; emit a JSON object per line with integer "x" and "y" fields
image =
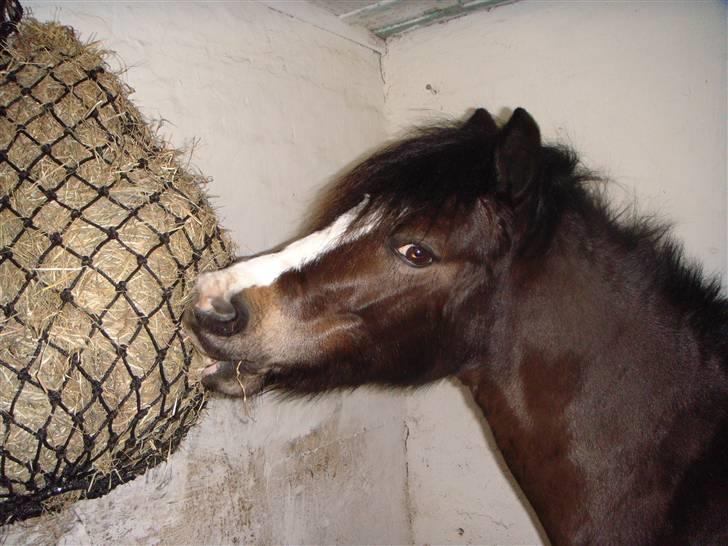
{"x": 395, "y": 282}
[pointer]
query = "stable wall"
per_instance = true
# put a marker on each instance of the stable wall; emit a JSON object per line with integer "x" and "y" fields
{"x": 639, "y": 90}
{"x": 278, "y": 106}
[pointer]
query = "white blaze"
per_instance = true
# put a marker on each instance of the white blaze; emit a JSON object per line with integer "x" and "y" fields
{"x": 264, "y": 270}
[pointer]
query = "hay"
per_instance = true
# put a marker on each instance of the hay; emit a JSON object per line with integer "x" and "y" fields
{"x": 102, "y": 237}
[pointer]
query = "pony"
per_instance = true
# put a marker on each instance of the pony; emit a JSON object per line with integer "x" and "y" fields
{"x": 469, "y": 250}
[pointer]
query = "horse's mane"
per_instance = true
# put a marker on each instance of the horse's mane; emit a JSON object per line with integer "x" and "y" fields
{"x": 433, "y": 165}
{"x": 453, "y": 163}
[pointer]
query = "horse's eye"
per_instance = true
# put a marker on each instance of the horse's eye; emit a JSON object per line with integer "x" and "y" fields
{"x": 416, "y": 255}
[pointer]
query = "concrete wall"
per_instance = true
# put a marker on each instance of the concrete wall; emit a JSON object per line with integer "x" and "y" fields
{"x": 640, "y": 90}
{"x": 278, "y": 105}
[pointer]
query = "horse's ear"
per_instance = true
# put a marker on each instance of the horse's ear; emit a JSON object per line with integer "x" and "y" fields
{"x": 481, "y": 121}
{"x": 517, "y": 154}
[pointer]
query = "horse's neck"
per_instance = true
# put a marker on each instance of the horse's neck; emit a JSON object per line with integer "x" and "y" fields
{"x": 582, "y": 389}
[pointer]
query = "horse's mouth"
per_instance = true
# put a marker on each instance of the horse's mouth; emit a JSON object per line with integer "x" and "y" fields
{"x": 221, "y": 374}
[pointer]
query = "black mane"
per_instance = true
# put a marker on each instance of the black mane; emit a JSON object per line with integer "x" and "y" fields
{"x": 433, "y": 165}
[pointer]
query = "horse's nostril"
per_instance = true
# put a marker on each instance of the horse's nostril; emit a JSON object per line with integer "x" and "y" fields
{"x": 241, "y": 310}
{"x": 223, "y": 309}
{"x": 226, "y": 318}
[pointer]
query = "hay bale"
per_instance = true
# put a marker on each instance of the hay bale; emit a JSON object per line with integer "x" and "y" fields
{"x": 102, "y": 235}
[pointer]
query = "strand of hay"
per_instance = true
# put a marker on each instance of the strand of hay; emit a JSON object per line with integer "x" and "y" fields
{"x": 102, "y": 237}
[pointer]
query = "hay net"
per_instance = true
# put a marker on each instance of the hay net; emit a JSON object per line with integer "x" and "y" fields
{"x": 102, "y": 235}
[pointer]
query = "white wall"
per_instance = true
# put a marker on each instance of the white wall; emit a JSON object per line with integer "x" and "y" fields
{"x": 278, "y": 106}
{"x": 640, "y": 90}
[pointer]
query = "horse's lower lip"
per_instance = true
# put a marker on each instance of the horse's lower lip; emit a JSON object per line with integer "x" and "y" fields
{"x": 211, "y": 369}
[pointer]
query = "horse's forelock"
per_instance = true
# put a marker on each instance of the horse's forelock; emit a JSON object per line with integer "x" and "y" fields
{"x": 413, "y": 176}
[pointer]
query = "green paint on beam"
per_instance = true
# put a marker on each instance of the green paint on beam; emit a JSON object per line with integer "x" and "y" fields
{"x": 436, "y": 15}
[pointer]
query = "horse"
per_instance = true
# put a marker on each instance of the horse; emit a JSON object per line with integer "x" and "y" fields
{"x": 468, "y": 250}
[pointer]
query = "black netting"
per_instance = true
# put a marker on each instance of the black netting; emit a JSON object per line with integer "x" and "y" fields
{"x": 102, "y": 235}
